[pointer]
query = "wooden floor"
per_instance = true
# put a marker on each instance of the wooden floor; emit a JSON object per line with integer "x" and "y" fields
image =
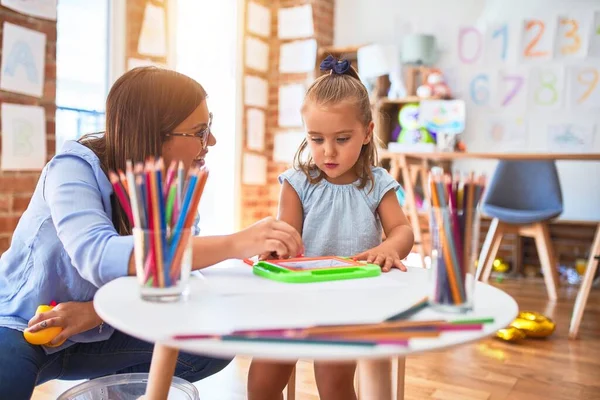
{"x": 553, "y": 368}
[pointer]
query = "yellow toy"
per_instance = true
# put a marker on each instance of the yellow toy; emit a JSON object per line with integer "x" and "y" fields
{"x": 45, "y": 336}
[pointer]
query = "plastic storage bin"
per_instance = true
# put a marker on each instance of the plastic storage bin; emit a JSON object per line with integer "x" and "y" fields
{"x": 126, "y": 387}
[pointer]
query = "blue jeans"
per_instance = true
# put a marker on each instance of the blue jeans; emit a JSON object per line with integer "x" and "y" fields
{"x": 23, "y": 366}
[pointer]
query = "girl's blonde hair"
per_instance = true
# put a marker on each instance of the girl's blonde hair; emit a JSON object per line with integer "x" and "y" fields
{"x": 340, "y": 85}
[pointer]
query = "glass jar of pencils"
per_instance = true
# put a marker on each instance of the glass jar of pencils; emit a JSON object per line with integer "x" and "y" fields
{"x": 163, "y": 263}
{"x": 454, "y": 228}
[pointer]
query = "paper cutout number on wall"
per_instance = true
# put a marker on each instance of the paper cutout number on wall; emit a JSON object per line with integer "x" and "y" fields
{"x": 470, "y": 45}
{"x": 584, "y": 88}
{"x": 588, "y": 78}
{"x": 479, "y": 89}
{"x": 535, "y": 40}
{"x": 503, "y": 30}
{"x": 517, "y": 84}
{"x": 572, "y": 33}
{"x": 546, "y": 93}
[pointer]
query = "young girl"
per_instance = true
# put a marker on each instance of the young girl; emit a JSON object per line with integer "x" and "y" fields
{"x": 74, "y": 238}
{"x": 340, "y": 201}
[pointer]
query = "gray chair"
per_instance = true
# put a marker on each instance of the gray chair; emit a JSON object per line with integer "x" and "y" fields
{"x": 522, "y": 197}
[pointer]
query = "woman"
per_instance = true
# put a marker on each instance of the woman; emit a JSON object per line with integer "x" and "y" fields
{"x": 74, "y": 237}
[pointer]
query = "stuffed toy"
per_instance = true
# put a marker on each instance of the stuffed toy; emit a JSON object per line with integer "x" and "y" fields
{"x": 435, "y": 87}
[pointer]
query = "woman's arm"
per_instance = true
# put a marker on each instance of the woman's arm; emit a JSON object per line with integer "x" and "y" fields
{"x": 74, "y": 198}
{"x": 266, "y": 236}
{"x": 290, "y": 211}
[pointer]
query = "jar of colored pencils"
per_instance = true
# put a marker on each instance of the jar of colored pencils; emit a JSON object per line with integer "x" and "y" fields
{"x": 454, "y": 228}
{"x": 161, "y": 212}
{"x": 163, "y": 263}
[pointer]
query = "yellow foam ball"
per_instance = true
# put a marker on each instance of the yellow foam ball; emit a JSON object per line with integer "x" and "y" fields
{"x": 45, "y": 336}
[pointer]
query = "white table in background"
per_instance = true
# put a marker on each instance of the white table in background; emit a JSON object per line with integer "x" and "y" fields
{"x": 228, "y": 297}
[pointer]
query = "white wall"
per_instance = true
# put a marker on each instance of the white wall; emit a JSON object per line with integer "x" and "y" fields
{"x": 385, "y": 21}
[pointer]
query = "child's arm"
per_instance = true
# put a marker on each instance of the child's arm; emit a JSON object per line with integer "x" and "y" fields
{"x": 290, "y": 207}
{"x": 398, "y": 232}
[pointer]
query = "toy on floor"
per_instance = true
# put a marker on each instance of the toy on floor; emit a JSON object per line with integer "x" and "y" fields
{"x": 45, "y": 336}
{"x": 528, "y": 324}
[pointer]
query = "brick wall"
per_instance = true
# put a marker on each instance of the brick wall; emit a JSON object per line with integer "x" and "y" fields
{"x": 17, "y": 187}
{"x": 261, "y": 201}
{"x": 135, "y": 17}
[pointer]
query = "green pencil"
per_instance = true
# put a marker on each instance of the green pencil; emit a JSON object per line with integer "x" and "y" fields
{"x": 487, "y": 320}
{"x": 171, "y": 202}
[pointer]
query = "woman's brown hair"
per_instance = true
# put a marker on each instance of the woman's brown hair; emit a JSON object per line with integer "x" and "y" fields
{"x": 342, "y": 84}
{"x": 142, "y": 107}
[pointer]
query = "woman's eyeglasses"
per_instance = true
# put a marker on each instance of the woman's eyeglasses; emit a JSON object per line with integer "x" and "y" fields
{"x": 202, "y": 134}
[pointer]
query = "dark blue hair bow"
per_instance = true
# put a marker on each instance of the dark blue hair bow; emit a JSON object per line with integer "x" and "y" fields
{"x": 331, "y": 64}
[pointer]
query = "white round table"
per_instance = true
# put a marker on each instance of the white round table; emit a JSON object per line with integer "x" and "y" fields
{"x": 228, "y": 297}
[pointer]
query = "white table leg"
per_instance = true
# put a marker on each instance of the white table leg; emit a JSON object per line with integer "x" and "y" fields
{"x": 374, "y": 378}
{"x": 162, "y": 369}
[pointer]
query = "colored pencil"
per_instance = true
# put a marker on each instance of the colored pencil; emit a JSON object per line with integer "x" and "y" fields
{"x": 415, "y": 308}
{"x": 133, "y": 194}
{"x": 453, "y": 224}
{"x": 121, "y": 195}
{"x": 170, "y": 178}
{"x": 163, "y": 205}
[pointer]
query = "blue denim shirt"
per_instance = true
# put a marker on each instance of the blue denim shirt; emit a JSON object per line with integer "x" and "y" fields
{"x": 65, "y": 245}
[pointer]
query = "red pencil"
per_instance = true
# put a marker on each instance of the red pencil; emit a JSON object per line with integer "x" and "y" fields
{"x": 121, "y": 195}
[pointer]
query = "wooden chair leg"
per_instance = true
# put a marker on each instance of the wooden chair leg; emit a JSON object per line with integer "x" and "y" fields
{"x": 411, "y": 205}
{"x": 357, "y": 382}
{"x": 400, "y": 375}
{"x": 489, "y": 250}
{"x": 291, "y": 386}
{"x": 586, "y": 285}
{"x": 547, "y": 259}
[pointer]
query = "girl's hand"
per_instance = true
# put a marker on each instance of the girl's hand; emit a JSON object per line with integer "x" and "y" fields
{"x": 268, "y": 236}
{"x": 73, "y": 317}
{"x": 383, "y": 255}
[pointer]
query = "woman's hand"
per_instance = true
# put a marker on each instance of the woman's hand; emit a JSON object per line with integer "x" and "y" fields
{"x": 384, "y": 255}
{"x": 268, "y": 236}
{"x": 73, "y": 317}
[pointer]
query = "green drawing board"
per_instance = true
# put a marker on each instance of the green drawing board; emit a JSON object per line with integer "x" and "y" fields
{"x": 314, "y": 269}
